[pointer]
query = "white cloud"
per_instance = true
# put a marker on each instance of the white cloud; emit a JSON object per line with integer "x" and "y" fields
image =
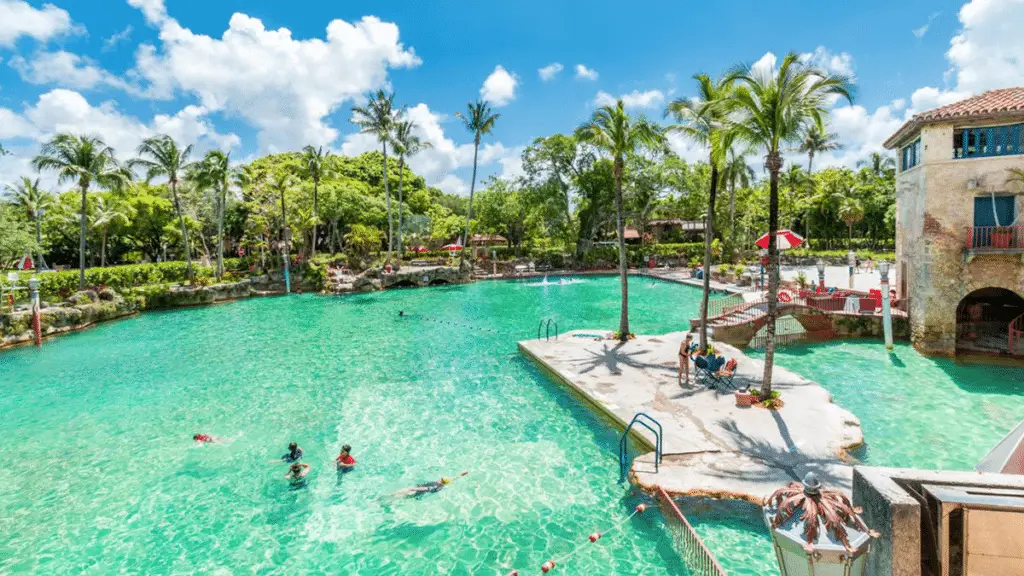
{"x": 512, "y": 164}
{"x": 920, "y": 32}
{"x": 500, "y": 87}
{"x": 989, "y": 52}
{"x": 585, "y": 73}
{"x": 66, "y": 69}
{"x": 685, "y": 148}
{"x": 282, "y": 86}
{"x": 117, "y": 37}
{"x": 68, "y": 111}
{"x": 18, "y": 18}
{"x": 549, "y": 72}
{"x": 634, "y": 99}
{"x": 153, "y": 10}
{"x": 841, "y": 63}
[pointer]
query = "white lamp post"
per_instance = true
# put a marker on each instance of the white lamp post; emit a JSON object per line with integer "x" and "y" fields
{"x": 851, "y": 259}
{"x": 883, "y": 269}
{"x": 821, "y": 273}
{"x": 822, "y": 548}
{"x": 284, "y": 257}
{"x": 40, "y": 212}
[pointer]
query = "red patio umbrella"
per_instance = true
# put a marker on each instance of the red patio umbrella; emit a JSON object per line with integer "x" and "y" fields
{"x": 784, "y": 239}
{"x": 451, "y": 247}
{"x": 422, "y": 249}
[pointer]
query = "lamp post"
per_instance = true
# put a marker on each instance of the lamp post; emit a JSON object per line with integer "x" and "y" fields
{"x": 851, "y": 259}
{"x": 40, "y": 212}
{"x": 287, "y": 236}
{"x": 33, "y": 289}
{"x": 883, "y": 269}
{"x": 821, "y": 274}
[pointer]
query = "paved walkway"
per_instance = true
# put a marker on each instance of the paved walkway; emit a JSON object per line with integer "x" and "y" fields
{"x": 712, "y": 447}
{"x": 838, "y": 276}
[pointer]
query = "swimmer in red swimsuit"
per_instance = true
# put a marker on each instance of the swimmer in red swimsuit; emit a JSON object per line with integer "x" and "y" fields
{"x": 345, "y": 460}
{"x": 203, "y": 438}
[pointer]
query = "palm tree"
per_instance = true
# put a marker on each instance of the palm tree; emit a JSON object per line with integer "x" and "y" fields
{"x": 703, "y": 121}
{"x": 105, "y": 214}
{"x": 405, "y": 144}
{"x": 737, "y": 173}
{"x": 83, "y": 160}
{"x": 214, "y": 171}
{"x": 818, "y": 139}
{"x": 378, "y": 118}
{"x": 160, "y": 156}
{"x": 27, "y": 195}
{"x": 879, "y": 163}
{"x": 612, "y": 131}
{"x": 774, "y": 107}
{"x": 851, "y": 212}
{"x": 314, "y": 164}
{"x": 479, "y": 119}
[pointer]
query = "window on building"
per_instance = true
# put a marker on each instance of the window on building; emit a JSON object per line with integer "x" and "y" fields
{"x": 910, "y": 155}
{"x": 987, "y": 141}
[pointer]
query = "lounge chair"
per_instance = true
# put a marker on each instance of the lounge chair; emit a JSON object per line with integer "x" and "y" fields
{"x": 712, "y": 373}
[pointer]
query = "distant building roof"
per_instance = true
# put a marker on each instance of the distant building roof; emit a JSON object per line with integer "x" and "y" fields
{"x": 631, "y": 234}
{"x": 488, "y": 239}
{"x": 991, "y": 104}
{"x": 695, "y": 225}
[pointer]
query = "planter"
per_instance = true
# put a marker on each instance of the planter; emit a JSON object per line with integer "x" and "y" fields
{"x": 745, "y": 398}
{"x": 1001, "y": 238}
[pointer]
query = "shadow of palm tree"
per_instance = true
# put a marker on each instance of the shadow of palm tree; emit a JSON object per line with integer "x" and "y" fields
{"x": 612, "y": 357}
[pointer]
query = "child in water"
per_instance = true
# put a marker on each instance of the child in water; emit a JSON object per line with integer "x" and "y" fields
{"x": 294, "y": 453}
{"x": 297, "y": 473}
{"x": 427, "y": 488}
{"x": 345, "y": 460}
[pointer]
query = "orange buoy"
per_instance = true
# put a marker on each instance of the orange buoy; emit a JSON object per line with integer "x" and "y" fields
{"x": 547, "y": 566}
{"x": 595, "y": 536}
{"x": 641, "y": 507}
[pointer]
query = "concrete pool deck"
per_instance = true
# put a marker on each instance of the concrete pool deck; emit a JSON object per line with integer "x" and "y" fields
{"x": 711, "y": 447}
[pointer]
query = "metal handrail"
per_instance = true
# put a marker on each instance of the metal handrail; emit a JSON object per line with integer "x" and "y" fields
{"x": 995, "y": 237}
{"x": 641, "y": 419}
{"x": 546, "y": 324}
{"x": 1016, "y": 336}
{"x": 689, "y": 544}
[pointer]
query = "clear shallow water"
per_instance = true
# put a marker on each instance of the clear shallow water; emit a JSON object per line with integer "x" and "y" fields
{"x": 916, "y": 412}
{"x": 101, "y": 475}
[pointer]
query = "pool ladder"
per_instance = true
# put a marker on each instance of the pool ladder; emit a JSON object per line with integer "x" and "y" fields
{"x": 649, "y": 423}
{"x": 545, "y": 324}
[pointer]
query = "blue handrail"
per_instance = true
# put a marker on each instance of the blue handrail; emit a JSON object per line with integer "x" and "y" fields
{"x": 645, "y": 421}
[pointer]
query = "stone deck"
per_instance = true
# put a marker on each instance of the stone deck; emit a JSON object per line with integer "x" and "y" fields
{"x": 711, "y": 446}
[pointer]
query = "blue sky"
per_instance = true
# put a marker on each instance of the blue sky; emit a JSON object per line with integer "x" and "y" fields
{"x": 262, "y": 76}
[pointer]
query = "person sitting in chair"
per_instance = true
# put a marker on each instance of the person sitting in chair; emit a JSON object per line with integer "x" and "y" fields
{"x": 729, "y": 369}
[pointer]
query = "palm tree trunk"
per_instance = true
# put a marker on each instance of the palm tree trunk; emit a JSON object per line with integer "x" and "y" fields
{"x": 469, "y": 214}
{"x": 401, "y": 173}
{"x": 623, "y": 269}
{"x": 103, "y": 248}
{"x": 184, "y": 232}
{"x": 81, "y": 238}
{"x": 316, "y": 215}
{"x": 774, "y": 165}
{"x": 387, "y": 195}
{"x": 709, "y": 233}
{"x": 732, "y": 214}
{"x": 849, "y": 241}
{"x": 810, "y": 185}
{"x": 40, "y": 264}
{"x": 220, "y": 233}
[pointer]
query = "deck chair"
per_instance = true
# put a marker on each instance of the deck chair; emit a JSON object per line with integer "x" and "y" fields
{"x": 702, "y": 371}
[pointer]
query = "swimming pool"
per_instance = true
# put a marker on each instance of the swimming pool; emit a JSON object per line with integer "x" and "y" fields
{"x": 916, "y": 412}
{"x": 103, "y": 477}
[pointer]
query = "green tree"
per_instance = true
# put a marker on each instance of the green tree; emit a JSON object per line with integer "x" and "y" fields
{"x": 215, "y": 172}
{"x": 817, "y": 140}
{"x": 28, "y": 196}
{"x": 614, "y": 132}
{"x": 15, "y": 234}
{"x": 160, "y": 156}
{"x": 362, "y": 239}
{"x": 851, "y": 212}
{"x": 880, "y": 164}
{"x": 736, "y": 172}
{"x": 774, "y": 107}
{"x": 405, "y": 144}
{"x": 378, "y": 118}
{"x": 556, "y": 161}
{"x": 105, "y": 213}
{"x": 83, "y": 160}
{"x": 479, "y": 120}
{"x": 314, "y": 162}
{"x": 703, "y": 121}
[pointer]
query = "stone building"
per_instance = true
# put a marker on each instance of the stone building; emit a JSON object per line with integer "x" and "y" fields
{"x": 959, "y": 230}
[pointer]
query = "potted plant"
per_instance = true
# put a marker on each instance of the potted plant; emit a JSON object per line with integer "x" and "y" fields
{"x": 745, "y": 397}
{"x": 1001, "y": 237}
{"x": 772, "y": 402}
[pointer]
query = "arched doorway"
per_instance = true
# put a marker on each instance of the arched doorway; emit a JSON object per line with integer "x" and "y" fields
{"x": 983, "y": 322}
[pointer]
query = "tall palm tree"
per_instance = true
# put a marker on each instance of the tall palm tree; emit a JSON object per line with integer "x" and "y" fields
{"x": 314, "y": 161}
{"x": 106, "y": 213}
{"x": 479, "y": 119}
{"x": 614, "y": 132}
{"x": 702, "y": 120}
{"x": 378, "y": 118}
{"x": 405, "y": 144}
{"x": 214, "y": 172}
{"x": 851, "y": 212}
{"x": 160, "y": 156}
{"x": 818, "y": 139}
{"x": 83, "y": 160}
{"x": 28, "y": 196}
{"x": 774, "y": 107}
{"x": 879, "y": 163}
{"x": 736, "y": 173}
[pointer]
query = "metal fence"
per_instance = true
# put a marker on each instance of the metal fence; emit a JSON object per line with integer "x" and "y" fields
{"x": 698, "y": 558}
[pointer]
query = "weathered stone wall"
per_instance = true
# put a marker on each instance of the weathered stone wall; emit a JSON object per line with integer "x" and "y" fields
{"x": 934, "y": 209}
{"x": 80, "y": 311}
{"x": 410, "y": 276}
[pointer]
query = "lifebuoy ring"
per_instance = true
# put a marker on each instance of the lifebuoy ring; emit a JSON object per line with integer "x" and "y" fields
{"x": 387, "y": 269}
{"x": 785, "y": 297}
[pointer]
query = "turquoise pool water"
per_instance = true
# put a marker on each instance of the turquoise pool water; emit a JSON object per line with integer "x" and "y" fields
{"x": 101, "y": 475}
{"x": 916, "y": 412}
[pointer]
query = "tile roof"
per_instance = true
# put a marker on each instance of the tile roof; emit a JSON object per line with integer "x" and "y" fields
{"x": 987, "y": 104}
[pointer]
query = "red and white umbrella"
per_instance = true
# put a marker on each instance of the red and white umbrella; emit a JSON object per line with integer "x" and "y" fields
{"x": 451, "y": 247}
{"x": 784, "y": 239}
{"x": 422, "y": 249}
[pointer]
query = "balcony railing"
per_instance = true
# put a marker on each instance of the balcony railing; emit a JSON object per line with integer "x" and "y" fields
{"x": 995, "y": 238}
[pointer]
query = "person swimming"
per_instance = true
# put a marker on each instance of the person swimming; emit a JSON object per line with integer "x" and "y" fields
{"x": 294, "y": 453}
{"x": 204, "y": 438}
{"x": 345, "y": 460}
{"x": 427, "y": 488}
{"x": 297, "y": 473}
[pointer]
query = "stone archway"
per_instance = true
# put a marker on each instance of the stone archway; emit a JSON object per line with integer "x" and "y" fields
{"x": 983, "y": 319}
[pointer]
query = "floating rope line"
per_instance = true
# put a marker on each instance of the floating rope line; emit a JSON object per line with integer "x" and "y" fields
{"x": 591, "y": 539}
{"x": 421, "y": 317}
